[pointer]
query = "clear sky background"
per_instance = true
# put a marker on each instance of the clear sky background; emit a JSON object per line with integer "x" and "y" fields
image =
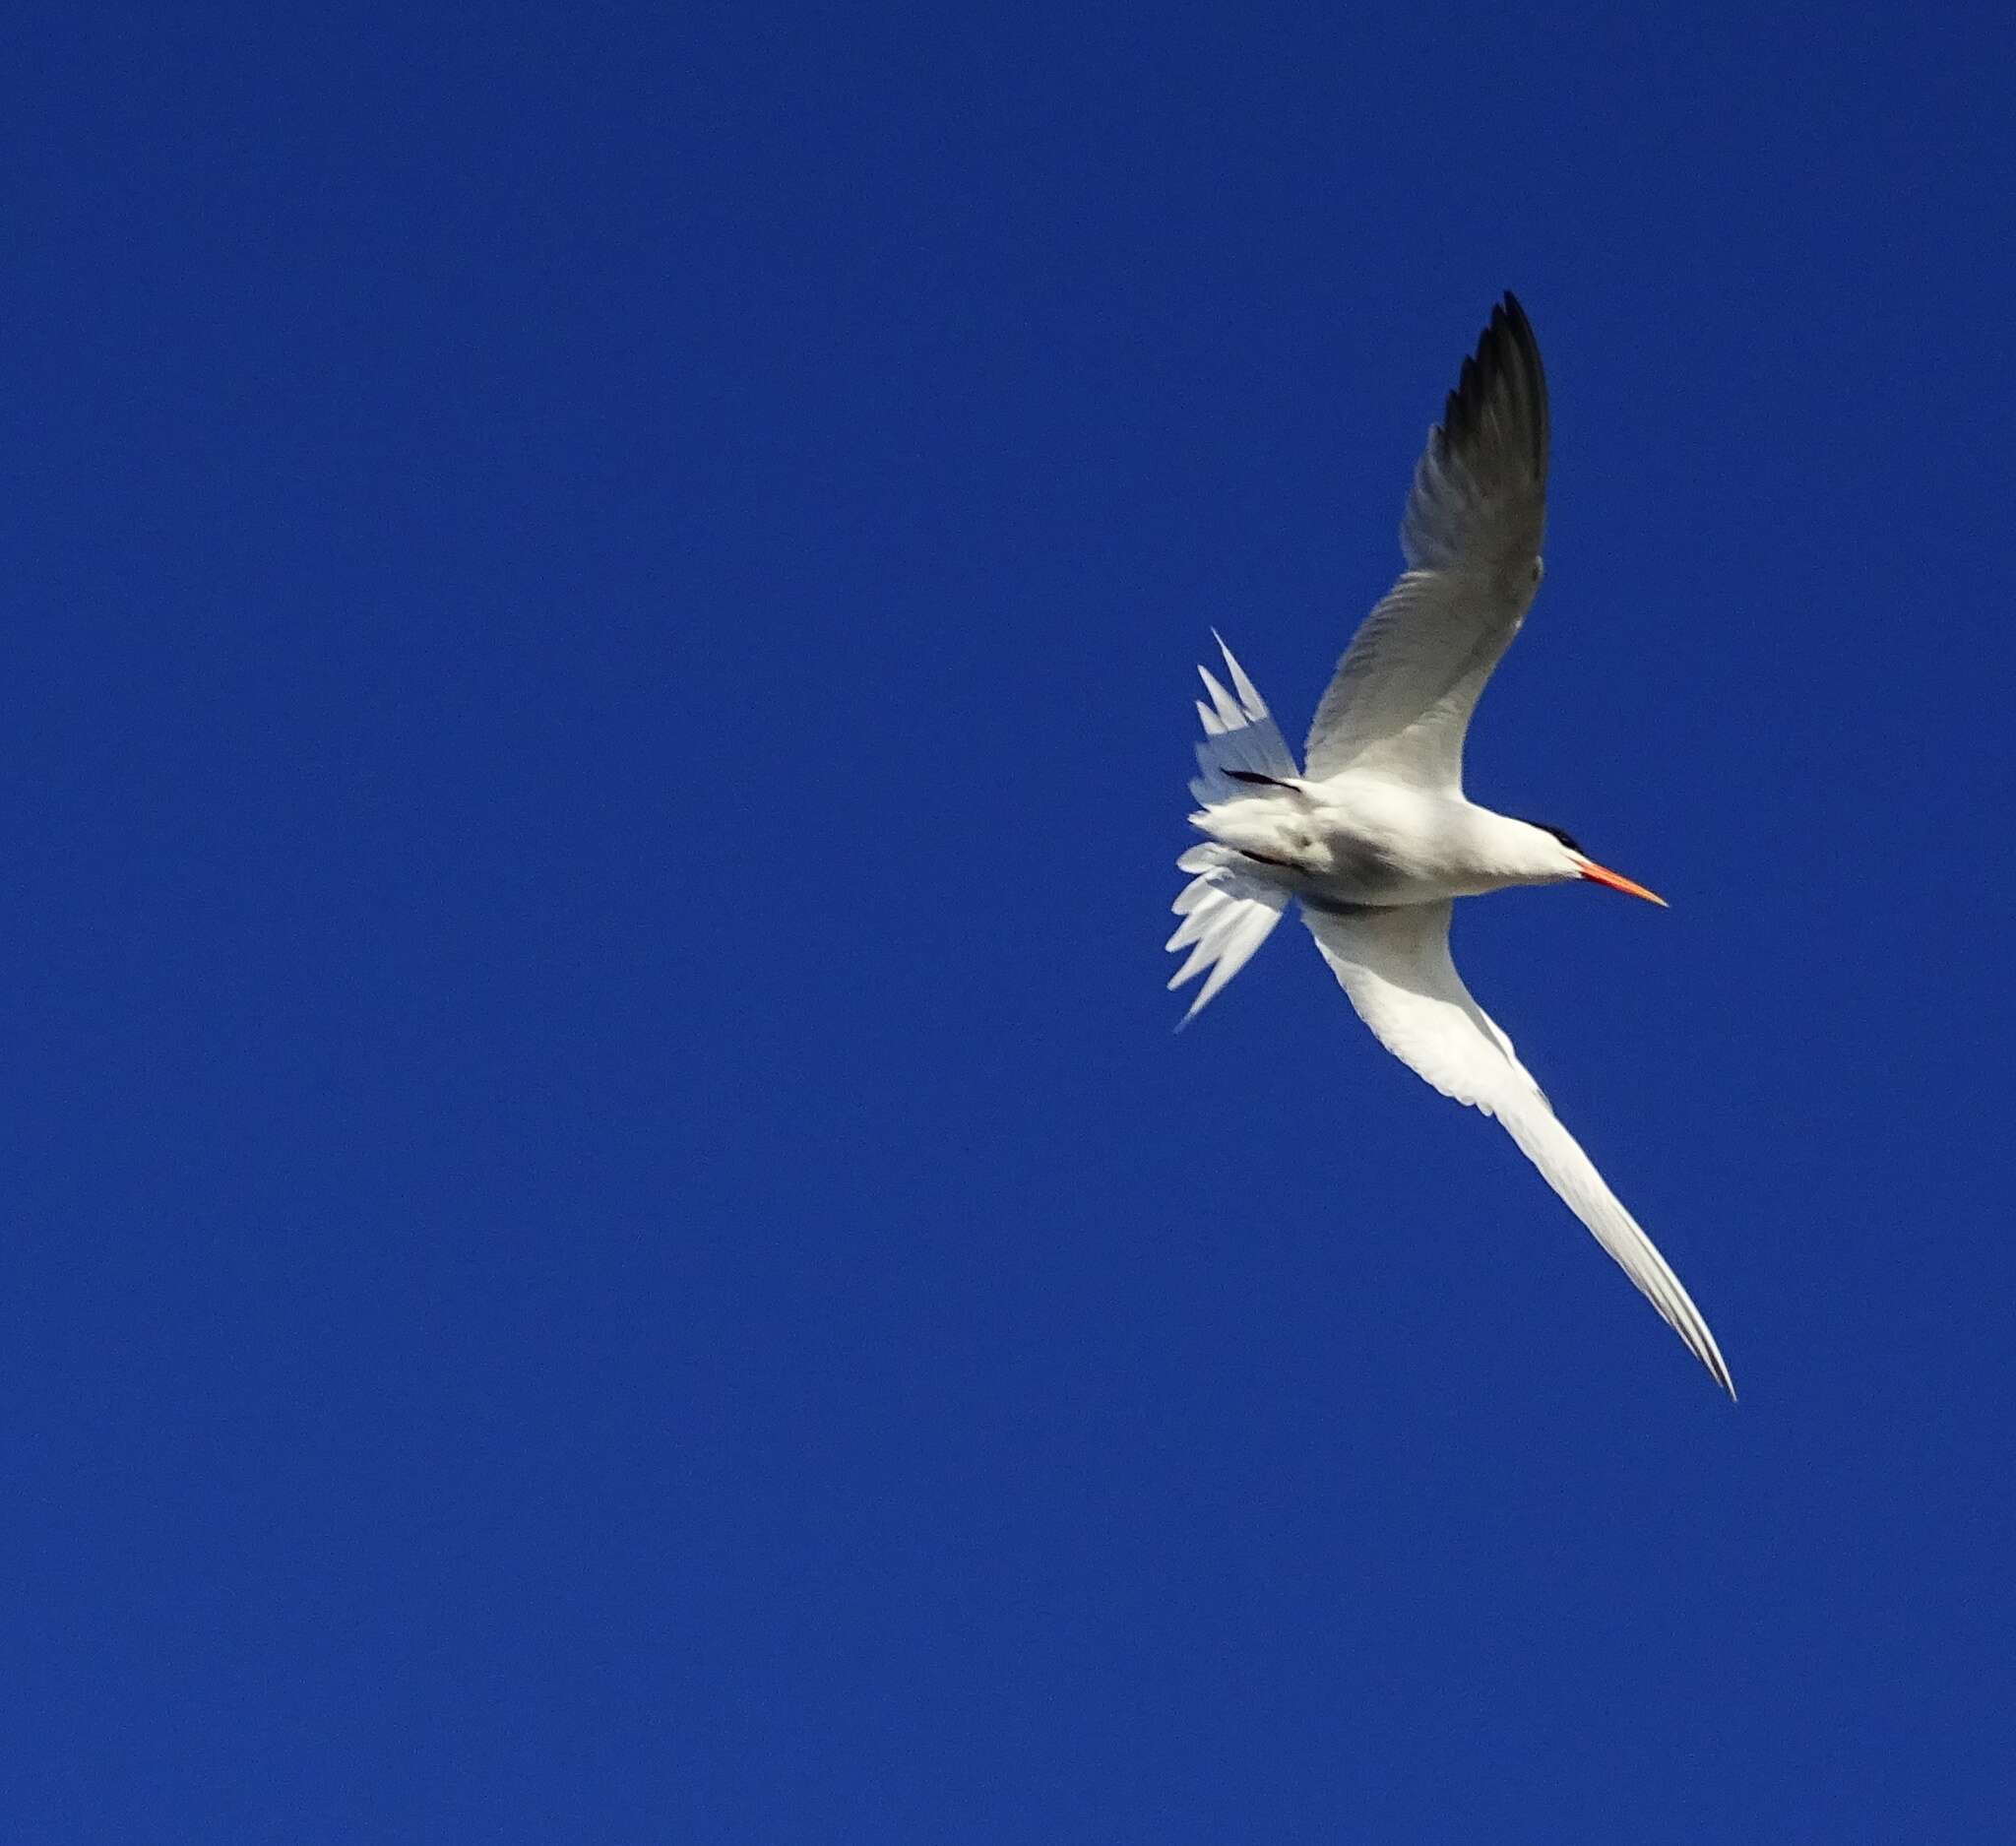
{"x": 604, "y": 1235}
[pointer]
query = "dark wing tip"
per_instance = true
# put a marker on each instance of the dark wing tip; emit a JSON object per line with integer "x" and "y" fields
{"x": 1502, "y": 384}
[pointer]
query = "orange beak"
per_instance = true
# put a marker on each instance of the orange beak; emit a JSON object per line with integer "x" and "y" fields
{"x": 1602, "y": 874}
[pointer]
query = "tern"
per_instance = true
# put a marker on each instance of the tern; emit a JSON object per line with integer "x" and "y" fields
{"x": 1373, "y": 836}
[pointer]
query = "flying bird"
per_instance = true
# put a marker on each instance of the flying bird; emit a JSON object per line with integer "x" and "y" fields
{"x": 1373, "y": 835}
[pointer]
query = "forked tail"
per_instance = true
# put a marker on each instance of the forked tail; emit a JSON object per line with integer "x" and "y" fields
{"x": 1227, "y": 911}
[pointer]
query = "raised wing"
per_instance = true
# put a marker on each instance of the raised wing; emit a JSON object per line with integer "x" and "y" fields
{"x": 1402, "y": 697}
{"x": 1395, "y": 964}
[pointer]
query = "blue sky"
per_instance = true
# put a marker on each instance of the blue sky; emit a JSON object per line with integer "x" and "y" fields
{"x": 605, "y": 1236}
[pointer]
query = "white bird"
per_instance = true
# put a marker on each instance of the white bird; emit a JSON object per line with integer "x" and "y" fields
{"x": 1375, "y": 837}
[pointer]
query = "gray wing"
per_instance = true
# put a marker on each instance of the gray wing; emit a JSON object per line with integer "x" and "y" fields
{"x": 1402, "y": 697}
{"x": 1396, "y": 967}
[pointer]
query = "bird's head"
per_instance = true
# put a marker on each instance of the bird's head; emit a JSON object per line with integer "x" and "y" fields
{"x": 1566, "y": 859}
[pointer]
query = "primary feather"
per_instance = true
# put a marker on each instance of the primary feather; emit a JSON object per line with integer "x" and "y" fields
{"x": 1396, "y": 967}
{"x": 1405, "y": 689}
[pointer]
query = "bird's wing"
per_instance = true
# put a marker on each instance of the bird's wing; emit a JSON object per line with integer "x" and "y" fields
{"x": 1403, "y": 693}
{"x": 1395, "y": 964}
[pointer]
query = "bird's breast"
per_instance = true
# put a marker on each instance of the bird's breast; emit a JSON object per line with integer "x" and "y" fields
{"x": 1374, "y": 842}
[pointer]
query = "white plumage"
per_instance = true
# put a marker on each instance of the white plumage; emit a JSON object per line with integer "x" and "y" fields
{"x": 1376, "y": 838}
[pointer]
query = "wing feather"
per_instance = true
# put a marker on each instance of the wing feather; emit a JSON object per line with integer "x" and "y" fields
{"x": 1403, "y": 694}
{"x": 1396, "y": 967}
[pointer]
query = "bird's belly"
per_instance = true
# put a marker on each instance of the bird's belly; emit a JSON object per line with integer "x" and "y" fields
{"x": 1345, "y": 867}
{"x": 1323, "y": 863}
{"x": 1372, "y": 845}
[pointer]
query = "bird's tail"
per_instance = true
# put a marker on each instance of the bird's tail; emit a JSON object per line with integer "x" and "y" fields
{"x": 1227, "y": 911}
{"x": 1240, "y": 734}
